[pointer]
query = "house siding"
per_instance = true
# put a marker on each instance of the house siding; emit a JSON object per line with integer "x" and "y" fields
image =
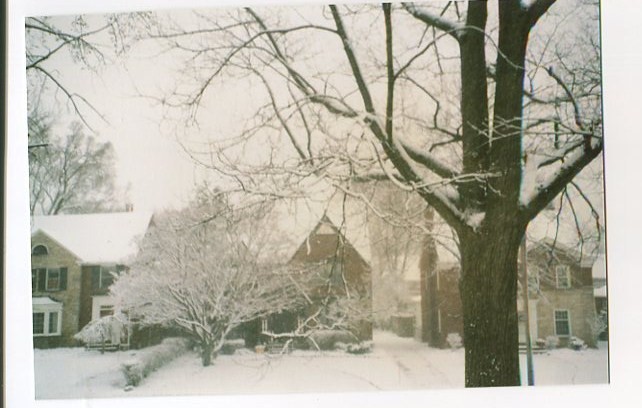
{"x": 58, "y": 257}
{"x": 578, "y": 302}
{"x": 441, "y": 312}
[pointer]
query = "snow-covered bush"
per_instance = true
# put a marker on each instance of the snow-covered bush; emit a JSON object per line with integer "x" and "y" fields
{"x": 150, "y": 359}
{"x": 107, "y": 329}
{"x": 359, "y": 348}
{"x": 328, "y": 339}
{"x": 576, "y": 343}
{"x": 598, "y": 325}
{"x": 454, "y": 340}
{"x": 552, "y": 342}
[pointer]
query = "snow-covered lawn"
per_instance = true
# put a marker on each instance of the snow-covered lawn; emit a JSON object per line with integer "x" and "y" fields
{"x": 394, "y": 364}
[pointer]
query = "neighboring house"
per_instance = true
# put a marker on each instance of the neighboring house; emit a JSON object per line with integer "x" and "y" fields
{"x": 561, "y": 299}
{"x": 73, "y": 262}
{"x": 341, "y": 274}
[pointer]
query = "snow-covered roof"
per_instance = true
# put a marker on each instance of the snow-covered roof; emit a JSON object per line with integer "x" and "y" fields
{"x": 44, "y": 301}
{"x": 96, "y": 238}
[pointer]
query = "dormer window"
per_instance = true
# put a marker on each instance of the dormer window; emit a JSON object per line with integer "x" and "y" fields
{"x": 563, "y": 277}
{"x": 39, "y": 250}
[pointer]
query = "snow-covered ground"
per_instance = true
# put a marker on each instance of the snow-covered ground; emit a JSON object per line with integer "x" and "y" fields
{"x": 394, "y": 364}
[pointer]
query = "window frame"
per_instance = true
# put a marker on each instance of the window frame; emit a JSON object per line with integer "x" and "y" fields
{"x": 33, "y": 250}
{"x": 567, "y": 276}
{"x": 48, "y": 278}
{"x": 567, "y": 320}
{"x": 33, "y": 323}
{"x": 48, "y": 330}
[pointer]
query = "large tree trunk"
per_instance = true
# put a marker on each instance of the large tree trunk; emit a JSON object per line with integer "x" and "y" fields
{"x": 489, "y": 298}
{"x": 207, "y": 350}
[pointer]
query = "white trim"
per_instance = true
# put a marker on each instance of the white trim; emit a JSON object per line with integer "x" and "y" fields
{"x": 47, "y": 309}
{"x": 98, "y": 302}
{"x": 567, "y": 272}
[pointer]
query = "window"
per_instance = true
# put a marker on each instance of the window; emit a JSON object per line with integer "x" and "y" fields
{"x": 106, "y": 310}
{"x": 47, "y": 317}
{"x": 103, "y": 276}
{"x": 562, "y": 323}
{"x": 39, "y": 323}
{"x": 53, "y": 323}
{"x": 39, "y": 250}
{"x": 562, "y": 277}
{"x": 53, "y": 279}
{"x": 34, "y": 280}
{"x": 48, "y": 279}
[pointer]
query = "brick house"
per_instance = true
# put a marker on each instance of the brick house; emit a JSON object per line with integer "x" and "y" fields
{"x": 561, "y": 298}
{"x": 340, "y": 272}
{"x": 73, "y": 262}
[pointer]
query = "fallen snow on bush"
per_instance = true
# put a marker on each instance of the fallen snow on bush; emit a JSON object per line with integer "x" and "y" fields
{"x": 151, "y": 359}
{"x": 393, "y": 364}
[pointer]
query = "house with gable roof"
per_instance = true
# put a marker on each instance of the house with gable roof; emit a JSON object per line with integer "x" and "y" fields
{"x": 340, "y": 272}
{"x": 562, "y": 300}
{"x": 73, "y": 262}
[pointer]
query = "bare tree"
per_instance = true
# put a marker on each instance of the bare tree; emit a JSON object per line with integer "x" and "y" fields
{"x": 198, "y": 271}
{"x": 89, "y": 45}
{"x": 73, "y": 174}
{"x": 430, "y": 97}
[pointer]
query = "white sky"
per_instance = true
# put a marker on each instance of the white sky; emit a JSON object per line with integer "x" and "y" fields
{"x": 623, "y": 144}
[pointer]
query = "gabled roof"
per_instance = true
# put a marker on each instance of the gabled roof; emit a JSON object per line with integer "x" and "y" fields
{"x": 96, "y": 238}
{"x": 295, "y": 222}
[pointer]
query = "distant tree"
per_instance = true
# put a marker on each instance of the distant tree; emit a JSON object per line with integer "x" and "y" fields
{"x": 199, "y": 270}
{"x": 71, "y": 174}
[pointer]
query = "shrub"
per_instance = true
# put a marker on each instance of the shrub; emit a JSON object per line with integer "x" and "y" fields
{"x": 150, "y": 359}
{"x": 454, "y": 340}
{"x": 576, "y": 343}
{"x": 327, "y": 339}
{"x": 230, "y": 346}
{"x": 360, "y": 348}
{"x": 552, "y": 342}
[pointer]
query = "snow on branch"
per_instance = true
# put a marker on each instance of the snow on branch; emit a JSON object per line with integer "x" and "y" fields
{"x": 536, "y": 195}
{"x": 430, "y": 161}
{"x": 434, "y": 20}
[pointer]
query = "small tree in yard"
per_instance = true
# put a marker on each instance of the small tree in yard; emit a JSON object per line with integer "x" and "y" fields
{"x": 198, "y": 271}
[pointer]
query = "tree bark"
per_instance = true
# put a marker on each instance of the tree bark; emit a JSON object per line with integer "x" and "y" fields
{"x": 206, "y": 353}
{"x": 488, "y": 288}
